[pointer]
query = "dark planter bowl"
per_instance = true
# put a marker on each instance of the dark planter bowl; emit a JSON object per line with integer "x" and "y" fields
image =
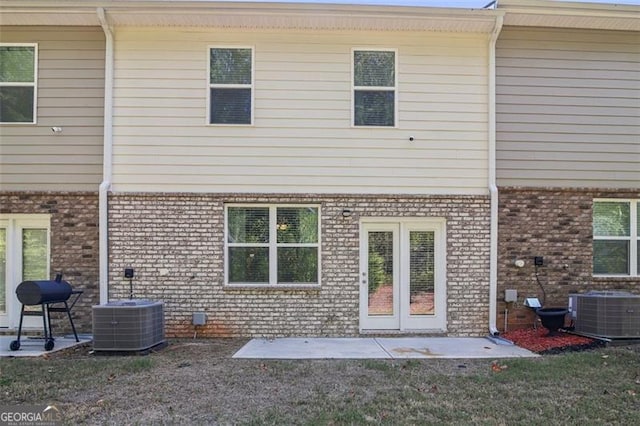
{"x": 552, "y": 318}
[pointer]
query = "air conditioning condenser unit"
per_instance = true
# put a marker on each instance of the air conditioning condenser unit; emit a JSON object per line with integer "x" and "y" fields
{"x": 609, "y": 314}
{"x": 128, "y": 325}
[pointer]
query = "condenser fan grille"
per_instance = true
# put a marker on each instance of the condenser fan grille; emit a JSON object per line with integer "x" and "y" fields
{"x": 608, "y": 314}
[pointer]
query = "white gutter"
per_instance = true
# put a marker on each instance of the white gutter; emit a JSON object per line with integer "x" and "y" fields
{"x": 493, "y": 188}
{"x": 107, "y": 159}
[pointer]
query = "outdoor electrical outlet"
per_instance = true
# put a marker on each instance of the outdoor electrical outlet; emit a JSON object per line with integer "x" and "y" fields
{"x": 538, "y": 261}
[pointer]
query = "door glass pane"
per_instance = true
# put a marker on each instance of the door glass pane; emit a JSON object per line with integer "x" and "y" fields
{"x": 3, "y": 270}
{"x": 380, "y": 273}
{"x": 34, "y": 254}
{"x": 421, "y": 272}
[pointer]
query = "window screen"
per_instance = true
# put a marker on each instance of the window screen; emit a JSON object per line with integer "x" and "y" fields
{"x": 615, "y": 238}
{"x": 17, "y": 83}
{"x": 374, "y": 82}
{"x": 230, "y": 86}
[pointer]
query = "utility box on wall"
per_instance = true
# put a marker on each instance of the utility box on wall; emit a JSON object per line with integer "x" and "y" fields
{"x": 128, "y": 325}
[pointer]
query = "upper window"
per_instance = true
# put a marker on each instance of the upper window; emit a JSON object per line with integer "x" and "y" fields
{"x": 616, "y": 239}
{"x": 374, "y": 88}
{"x": 272, "y": 245}
{"x": 18, "y": 83}
{"x": 230, "y": 85}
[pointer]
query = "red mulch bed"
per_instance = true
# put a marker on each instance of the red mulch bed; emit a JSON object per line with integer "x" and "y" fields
{"x": 538, "y": 341}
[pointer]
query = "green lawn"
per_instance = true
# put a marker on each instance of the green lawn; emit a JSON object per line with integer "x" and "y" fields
{"x": 199, "y": 383}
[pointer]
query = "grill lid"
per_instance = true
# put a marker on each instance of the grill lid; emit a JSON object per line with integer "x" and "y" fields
{"x": 45, "y": 291}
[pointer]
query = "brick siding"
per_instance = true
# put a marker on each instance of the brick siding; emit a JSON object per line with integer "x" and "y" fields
{"x": 74, "y": 242}
{"x": 175, "y": 244}
{"x": 555, "y": 224}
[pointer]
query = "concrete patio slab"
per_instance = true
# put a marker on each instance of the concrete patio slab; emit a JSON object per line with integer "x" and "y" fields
{"x": 30, "y": 346}
{"x": 312, "y": 348}
{"x": 379, "y": 347}
{"x": 450, "y": 347}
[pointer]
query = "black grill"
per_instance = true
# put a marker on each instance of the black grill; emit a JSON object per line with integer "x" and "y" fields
{"x": 42, "y": 292}
{"x": 46, "y": 293}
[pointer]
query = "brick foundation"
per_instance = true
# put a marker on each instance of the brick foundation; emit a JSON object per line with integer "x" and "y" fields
{"x": 555, "y": 224}
{"x": 182, "y": 234}
{"x": 74, "y": 242}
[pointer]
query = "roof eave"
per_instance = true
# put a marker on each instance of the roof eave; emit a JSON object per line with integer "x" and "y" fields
{"x": 539, "y": 13}
{"x": 252, "y": 16}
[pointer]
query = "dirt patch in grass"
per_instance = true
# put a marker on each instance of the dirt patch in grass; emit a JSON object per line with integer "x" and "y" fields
{"x": 197, "y": 382}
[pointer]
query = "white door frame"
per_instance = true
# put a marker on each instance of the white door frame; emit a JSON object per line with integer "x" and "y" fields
{"x": 15, "y": 224}
{"x": 401, "y": 320}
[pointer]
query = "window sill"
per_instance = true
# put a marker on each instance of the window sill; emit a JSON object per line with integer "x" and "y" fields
{"x": 230, "y": 124}
{"x": 18, "y": 123}
{"x": 597, "y": 278}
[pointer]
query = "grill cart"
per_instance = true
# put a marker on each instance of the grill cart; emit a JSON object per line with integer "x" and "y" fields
{"x": 46, "y": 293}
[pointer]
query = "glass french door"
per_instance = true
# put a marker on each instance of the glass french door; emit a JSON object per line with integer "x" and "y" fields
{"x": 24, "y": 255}
{"x": 402, "y": 276}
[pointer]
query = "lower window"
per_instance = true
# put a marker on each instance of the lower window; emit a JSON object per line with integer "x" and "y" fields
{"x": 272, "y": 245}
{"x": 616, "y": 237}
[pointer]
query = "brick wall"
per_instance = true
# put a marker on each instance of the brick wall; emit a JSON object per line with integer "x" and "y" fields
{"x": 74, "y": 242}
{"x": 175, "y": 243}
{"x": 555, "y": 224}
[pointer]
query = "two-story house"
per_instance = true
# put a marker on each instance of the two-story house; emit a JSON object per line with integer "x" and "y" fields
{"x": 292, "y": 169}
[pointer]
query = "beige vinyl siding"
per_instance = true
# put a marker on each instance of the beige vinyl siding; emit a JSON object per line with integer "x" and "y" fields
{"x": 302, "y": 140}
{"x": 568, "y": 108}
{"x": 71, "y": 96}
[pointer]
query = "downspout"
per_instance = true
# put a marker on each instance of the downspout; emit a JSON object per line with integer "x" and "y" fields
{"x": 493, "y": 188}
{"x": 107, "y": 159}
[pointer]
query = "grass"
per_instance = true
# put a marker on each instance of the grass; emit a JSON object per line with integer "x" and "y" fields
{"x": 201, "y": 384}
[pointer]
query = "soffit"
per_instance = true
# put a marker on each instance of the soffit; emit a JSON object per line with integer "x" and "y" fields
{"x": 540, "y": 13}
{"x": 568, "y": 21}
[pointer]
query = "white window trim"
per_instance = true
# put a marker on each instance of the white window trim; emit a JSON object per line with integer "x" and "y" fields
{"x": 405, "y": 226}
{"x": 633, "y": 238}
{"x": 21, "y": 84}
{"x": 273, "y": 247}
{"x": 383, "y": 88}
{"x": 230, "y": 86}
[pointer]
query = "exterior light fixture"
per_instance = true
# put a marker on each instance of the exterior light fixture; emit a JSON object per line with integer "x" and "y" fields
{"x": 347, "y": 213}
